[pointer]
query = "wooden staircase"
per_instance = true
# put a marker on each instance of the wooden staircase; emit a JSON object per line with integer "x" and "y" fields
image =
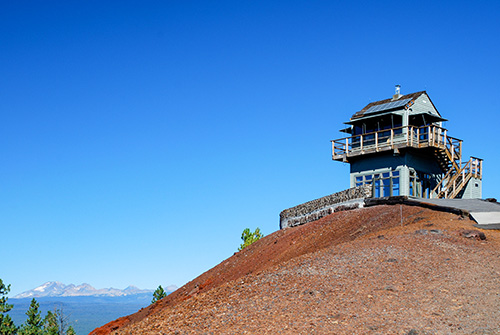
{"x": 456, "y": 174}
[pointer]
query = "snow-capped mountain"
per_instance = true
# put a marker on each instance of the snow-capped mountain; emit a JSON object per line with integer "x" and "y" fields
{"x": 58, "y": 289}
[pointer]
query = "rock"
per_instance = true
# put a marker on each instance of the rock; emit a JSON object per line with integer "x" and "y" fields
{"x": 472, "y": 233}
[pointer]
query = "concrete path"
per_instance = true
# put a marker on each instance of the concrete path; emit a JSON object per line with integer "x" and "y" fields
{"x": 485, "y": 213}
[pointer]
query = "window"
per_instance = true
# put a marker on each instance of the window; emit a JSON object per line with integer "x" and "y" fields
{"x": 387, "y": 187}
{"x": 377, "y": 193}
{"x": 395, "y": 186}
{"x": 384, "y": 184}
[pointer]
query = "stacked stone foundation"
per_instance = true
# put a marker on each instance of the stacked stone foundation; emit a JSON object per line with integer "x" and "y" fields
{"x": 318, "y": 208}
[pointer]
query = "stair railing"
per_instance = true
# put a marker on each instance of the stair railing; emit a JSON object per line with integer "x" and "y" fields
{"x": 454, "y": 182}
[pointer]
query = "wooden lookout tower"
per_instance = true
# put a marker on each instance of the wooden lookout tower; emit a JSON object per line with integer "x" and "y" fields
{"x": 399, "y": 147}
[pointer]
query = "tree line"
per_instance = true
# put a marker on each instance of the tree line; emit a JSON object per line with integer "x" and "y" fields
{"x": 54, "y": 323}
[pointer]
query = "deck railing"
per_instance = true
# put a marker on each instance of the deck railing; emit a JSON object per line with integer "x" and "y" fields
{"x": 395, "y": 138}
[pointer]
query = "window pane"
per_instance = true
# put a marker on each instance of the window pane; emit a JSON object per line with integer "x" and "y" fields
{"x": 395, "y": 186}
{"x": 387, "y": 187}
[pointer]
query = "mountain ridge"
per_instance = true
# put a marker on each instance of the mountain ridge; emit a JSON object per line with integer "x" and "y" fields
{"x": 58, "y": 289}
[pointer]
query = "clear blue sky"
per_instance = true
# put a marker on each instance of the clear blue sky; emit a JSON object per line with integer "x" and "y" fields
{"x": 138, "y": 139}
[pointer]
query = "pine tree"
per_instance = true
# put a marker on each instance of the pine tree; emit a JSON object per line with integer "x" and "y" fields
{"x": 248, "y": 237}
{"x": 50, "y": 325}
{"x": 7, "y": 327}
{"x": 34, "y": 322}
{"x": 70, "y": 331}
{"x": 56, "y": 323}
{"x": 158, "y": 294}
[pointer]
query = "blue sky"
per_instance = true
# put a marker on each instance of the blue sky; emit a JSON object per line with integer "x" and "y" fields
{"x": 138, "y": 139}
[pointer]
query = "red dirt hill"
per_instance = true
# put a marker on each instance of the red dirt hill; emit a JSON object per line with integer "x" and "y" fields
{"x": 377, "y": 270}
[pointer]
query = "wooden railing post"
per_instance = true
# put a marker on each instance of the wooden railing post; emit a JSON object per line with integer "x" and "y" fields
{"x": 481, "y": 169}
{"x": 452, "y": 154}
{"x": 460, "y": 150}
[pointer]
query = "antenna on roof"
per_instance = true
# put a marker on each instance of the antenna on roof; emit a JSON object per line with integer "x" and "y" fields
{"x": 397, "y": 95}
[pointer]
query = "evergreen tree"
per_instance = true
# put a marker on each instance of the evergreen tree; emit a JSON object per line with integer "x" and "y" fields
{"x": 7, "y": 327}
{"x": 248, "y": 237}
{"x": 56, "y": 323}
{"x": 50, "y": 326}
{"x": 158, "y": 294}
{"x": 34, "y": 322}
{"x": 70, "y": 331}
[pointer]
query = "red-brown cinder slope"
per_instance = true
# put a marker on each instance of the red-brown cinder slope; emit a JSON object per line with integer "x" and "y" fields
{"x": 357, "y": 271}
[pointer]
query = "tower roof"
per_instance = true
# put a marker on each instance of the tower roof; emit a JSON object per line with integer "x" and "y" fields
{"x": 391, "y": 104}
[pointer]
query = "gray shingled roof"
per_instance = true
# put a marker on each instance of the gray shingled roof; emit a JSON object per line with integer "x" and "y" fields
{"x": 361, "y": 113}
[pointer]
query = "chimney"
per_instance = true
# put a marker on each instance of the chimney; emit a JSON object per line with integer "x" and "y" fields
{"x": 397, "y": 95}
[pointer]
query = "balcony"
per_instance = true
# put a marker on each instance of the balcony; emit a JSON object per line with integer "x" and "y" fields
{"x": 398, "y": 138}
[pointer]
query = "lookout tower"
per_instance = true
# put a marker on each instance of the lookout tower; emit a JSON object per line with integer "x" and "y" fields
{"x": 399, "y": 147}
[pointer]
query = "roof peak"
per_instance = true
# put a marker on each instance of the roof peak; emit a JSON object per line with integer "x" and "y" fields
{"x": 410, "y": 96}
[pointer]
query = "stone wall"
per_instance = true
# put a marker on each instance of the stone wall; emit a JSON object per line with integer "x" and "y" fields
{"x": 318, "y": 208}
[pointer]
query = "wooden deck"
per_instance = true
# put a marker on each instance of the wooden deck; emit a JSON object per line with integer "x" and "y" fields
{"x": 396, "y": 138}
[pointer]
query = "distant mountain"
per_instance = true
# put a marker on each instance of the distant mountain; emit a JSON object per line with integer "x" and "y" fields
{"x": 84, "y": 312}
{"x": 58, "y": 289}
{"x": 86, "y": 307}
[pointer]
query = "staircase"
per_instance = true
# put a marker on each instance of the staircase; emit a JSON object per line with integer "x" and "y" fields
{"x": 457, "y": 174}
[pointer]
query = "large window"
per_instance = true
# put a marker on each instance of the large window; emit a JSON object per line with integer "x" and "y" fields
{"x": 384, "y": 184}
